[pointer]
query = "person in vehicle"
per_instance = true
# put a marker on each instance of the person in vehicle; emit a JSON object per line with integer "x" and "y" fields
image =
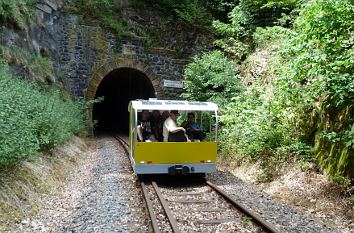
{"x": 172, "y": 133}
{"x": 145, "y": 133}
{"x": 192, "y": 127}
{"x": 157, "y": 125}
{"x": 165, "y": 115}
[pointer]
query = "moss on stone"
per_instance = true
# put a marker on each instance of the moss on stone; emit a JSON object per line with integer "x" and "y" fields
{"x": 26, "y": 64}
{"x": 335, "y": 157}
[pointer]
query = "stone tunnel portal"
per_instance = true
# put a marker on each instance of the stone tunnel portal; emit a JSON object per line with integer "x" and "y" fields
{"x": 118, "y": 88}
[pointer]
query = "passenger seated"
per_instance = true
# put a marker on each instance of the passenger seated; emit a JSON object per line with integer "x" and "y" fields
{"x": 192, "y": 128}
{"x": 164, "y": 116}
{"x": 145, "y": 133}
{"x": 172, "y": 133}
{"x": 157, "y": 125}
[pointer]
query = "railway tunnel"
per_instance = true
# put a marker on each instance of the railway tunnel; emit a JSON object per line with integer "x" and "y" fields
{"x": 117, "y": 88}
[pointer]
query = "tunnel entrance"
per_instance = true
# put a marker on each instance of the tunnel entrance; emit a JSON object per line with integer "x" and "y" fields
{"x": 118, "y": 88}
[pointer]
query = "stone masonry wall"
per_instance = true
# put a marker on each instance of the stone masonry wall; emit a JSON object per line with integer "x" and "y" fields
{"x": 83, "y": 55}
{"x": 88, "y": 51}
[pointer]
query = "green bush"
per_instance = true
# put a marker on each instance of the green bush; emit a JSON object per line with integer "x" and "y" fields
{"x": 236, "y": 35}
{"x": 275, "y": 35}
{"x": 317, "y": 84}
{"x": 219, "y": 7}
{"x": 211, "y": 76}
{"x": 31, "y": 119}
{"x": 298, "y": 96}
{"x": 15, "y": 12}
{"x": 194, "y": 13}
{"x": 190, "y": 12}
{"x": 252, "y": 125}
{"x": 253, "y": 121}
{"x": 322, "y": 53}
{"x": 107, "y": 12}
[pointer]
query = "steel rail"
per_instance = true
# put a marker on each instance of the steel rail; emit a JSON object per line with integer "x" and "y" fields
{"x": 153, "y": 217}
{"x": 167, "y": 210}
{"x": 150, "y": 209}
{"x": 123, "y": 144}
{"x": 256, "y": 217}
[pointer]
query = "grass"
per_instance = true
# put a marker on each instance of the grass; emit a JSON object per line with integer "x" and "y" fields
{"x": 22, "y": 187}
{"x": 246, "y": 221}
{"x": 18, "y": 194}
{"x": 34, "y": 118}
{"x": 37, "y": 68}
{"x": 108, "y": 13}
{"x": 16, "y": 12}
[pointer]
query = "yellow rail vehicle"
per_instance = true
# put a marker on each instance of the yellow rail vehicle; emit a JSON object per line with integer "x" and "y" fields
{"x": 192, "y": 156}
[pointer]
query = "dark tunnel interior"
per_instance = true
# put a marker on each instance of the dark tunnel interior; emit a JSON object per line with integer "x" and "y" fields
{"x": 118, "y": 88}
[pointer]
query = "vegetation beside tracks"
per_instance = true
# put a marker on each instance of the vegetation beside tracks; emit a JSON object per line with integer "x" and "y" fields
{"x": 28, "y": 188}
{"x": 294, "y": 81}
{"x": 36, "y": 114}
{"x": 15, "y": 12}
{"x": 282, "y": 72}
{"x": 33, "y": 119}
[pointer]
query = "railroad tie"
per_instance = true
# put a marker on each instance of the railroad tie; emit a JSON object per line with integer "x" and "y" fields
{"x": 166, "y": 208}
{"x": 186, "y": 193}
{"x": 214, "y": 221}
{"x": 207, "y": 210}
{"x": 191, "y": 201}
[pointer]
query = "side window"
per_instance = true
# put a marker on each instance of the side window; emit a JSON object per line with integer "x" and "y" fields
{"x": 193, "y": 128}
{"x": 145, "y": 127}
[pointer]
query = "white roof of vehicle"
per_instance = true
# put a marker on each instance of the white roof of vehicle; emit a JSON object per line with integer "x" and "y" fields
{"x": 172, "y": 105}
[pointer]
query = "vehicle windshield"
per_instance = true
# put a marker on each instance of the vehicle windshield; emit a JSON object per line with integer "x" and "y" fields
{"x": 176, "y": 126}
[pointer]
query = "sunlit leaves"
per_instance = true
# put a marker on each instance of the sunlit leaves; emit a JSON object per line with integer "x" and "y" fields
{"x": 211, "y": 76}
{"x": 323, "y": 50}
{"x": 32, "y": 120}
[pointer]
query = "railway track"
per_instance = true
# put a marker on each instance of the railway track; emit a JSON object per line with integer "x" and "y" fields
{"x": 196, "y": 205}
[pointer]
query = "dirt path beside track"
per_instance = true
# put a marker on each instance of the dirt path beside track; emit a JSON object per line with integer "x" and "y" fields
{"x": 101, "y": 195}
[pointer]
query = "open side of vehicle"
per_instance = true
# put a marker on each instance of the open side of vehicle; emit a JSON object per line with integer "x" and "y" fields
{"x": 197, "y": 157}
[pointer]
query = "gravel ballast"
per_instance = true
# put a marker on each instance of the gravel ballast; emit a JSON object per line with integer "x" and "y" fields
{"x": 112, "y": 202}
{"x": 275, "y": 212}
{"x": 197, "y": 206}
{"x": 104, "y": 195}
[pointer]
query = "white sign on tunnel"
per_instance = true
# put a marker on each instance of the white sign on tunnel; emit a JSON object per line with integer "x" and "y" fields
{"x": 172, "y": 83}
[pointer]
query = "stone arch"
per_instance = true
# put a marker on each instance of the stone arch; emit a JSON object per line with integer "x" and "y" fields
{"x": 99, "y": 72}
